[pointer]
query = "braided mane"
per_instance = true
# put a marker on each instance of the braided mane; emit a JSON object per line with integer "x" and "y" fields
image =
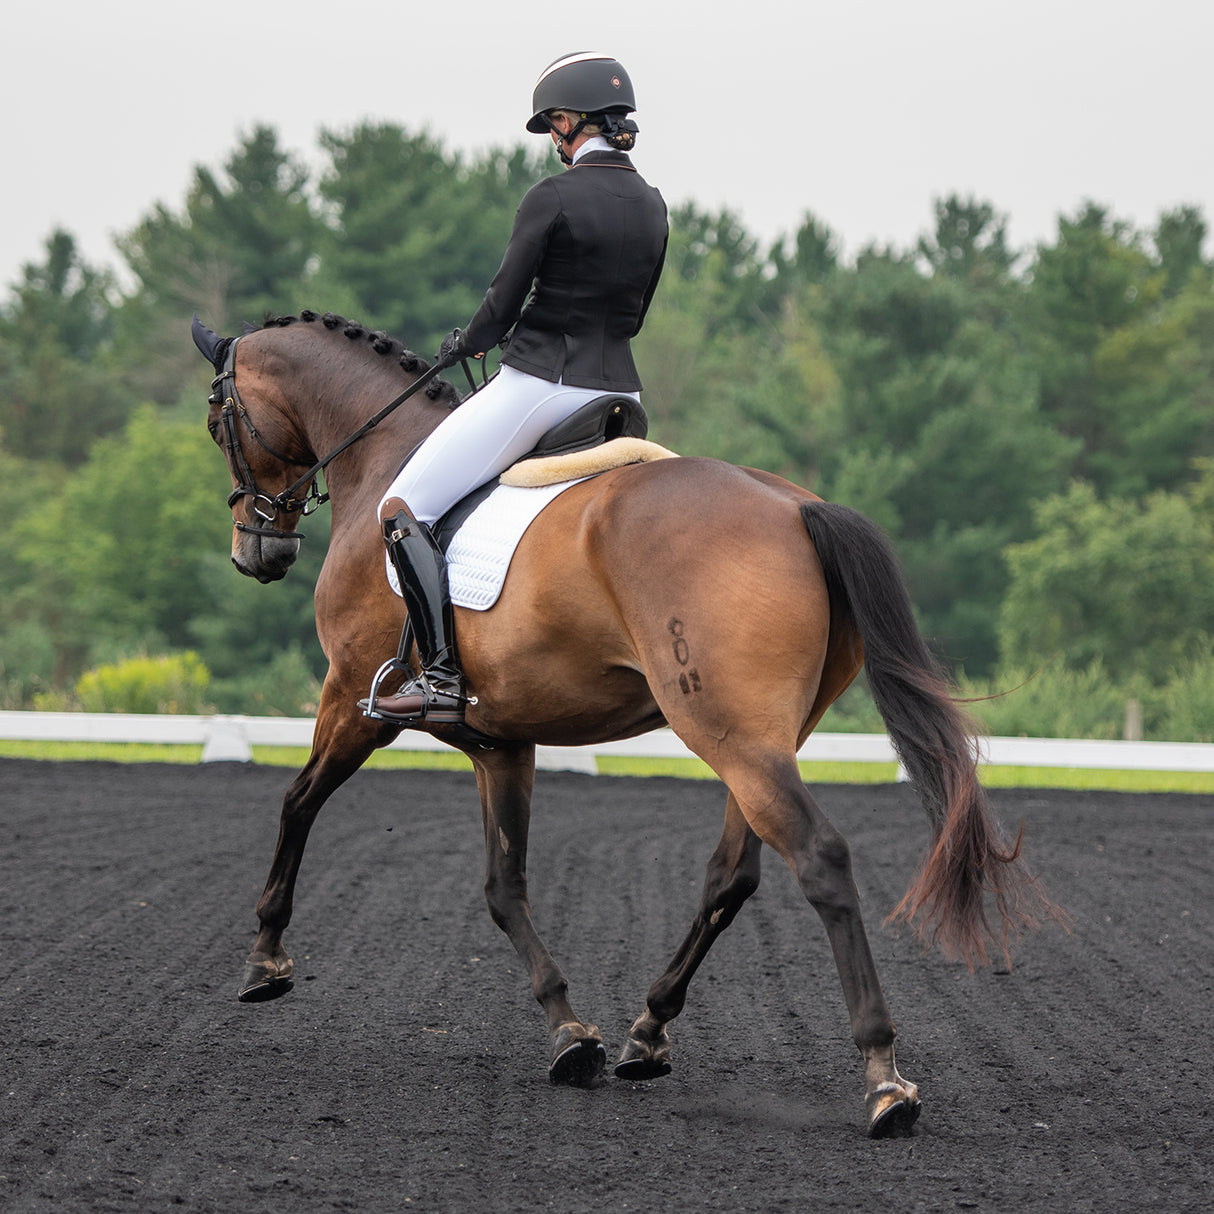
{"x": 380, "y": 342}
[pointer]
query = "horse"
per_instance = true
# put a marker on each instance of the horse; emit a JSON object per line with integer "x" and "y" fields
{"x": 724, "y": 602}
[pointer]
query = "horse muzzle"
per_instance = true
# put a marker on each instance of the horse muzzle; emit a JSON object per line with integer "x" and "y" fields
{"x": 264, "y": 557}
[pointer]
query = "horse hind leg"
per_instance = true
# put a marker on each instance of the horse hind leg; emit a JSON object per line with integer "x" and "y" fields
{"x": 778, "y": 808}
{"x": 732, "y": 876}
{"x": 505, "y": 777}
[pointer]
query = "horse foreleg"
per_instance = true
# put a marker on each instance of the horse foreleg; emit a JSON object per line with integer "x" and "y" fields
{"x": 505, "y": 777}
{"x": 339, "y": 749}
{"x": 732, "y": 876}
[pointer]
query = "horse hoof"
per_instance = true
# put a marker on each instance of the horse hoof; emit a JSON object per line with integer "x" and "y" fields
{"x": 639, "y": 1069}
{"x": 265, "y": 980}
{"x": 642, "y": 1059}
{"x": 893, "y": 1111}
{"x": 577, "y": 1062}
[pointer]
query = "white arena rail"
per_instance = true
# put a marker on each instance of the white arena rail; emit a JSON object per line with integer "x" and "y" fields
{"x": 231, "y": 738}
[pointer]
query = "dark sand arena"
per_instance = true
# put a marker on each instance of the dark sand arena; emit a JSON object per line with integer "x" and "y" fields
{"x": 407, "y": 1069}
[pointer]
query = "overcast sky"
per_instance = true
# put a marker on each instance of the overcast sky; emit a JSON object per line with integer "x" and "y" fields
{"x": 860, "y": 112}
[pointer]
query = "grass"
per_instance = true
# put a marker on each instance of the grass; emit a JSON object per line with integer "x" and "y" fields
{"x": 813, "y": 773}
{"x": 126, "y": 752}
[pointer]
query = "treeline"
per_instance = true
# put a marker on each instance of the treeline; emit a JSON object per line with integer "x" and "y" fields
{"x": 1033, "y": 428}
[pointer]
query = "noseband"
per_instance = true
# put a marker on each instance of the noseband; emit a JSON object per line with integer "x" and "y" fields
{"x": 223, "y": 393}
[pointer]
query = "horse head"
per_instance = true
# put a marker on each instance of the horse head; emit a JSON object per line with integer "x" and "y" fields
{"x": 251, "y": 429}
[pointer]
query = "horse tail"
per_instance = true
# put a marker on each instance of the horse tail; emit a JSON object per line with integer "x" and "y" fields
{"x": 970, "y": 857}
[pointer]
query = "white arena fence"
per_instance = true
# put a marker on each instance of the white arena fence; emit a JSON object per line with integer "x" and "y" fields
{"x": 231, "y": 739}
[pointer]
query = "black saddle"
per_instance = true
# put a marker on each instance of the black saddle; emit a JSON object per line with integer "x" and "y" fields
{"x": 596, "y": 422}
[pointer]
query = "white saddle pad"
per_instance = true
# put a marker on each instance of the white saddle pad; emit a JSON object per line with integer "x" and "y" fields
{"x": 480, "y": 554}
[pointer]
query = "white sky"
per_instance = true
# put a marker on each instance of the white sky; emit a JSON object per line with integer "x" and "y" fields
{"x": 861, "y": 112}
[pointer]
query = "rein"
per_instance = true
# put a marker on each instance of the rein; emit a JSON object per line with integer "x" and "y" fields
{"x": 286, "y": 501}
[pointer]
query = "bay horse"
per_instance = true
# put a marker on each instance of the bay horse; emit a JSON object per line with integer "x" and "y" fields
{"x": 724, "y": 602}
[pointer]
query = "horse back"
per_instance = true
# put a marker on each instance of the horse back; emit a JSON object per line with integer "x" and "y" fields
{"x": 649, "y": 592}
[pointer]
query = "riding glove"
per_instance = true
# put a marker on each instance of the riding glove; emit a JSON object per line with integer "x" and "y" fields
{"x": 452, "y": 350}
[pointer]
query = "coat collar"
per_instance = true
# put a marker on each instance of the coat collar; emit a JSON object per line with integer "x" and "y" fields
{"x": 616, "y": 160}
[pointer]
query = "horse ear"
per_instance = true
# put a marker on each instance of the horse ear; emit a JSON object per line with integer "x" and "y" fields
{"x": 210, "y": 344}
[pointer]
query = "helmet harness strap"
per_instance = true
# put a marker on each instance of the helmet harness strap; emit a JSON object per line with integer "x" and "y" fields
{"x": 612, "y": 124}
{"x": 561, "y": 136}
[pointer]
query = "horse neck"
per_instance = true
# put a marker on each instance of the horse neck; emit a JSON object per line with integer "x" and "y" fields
{"x": 327, "y": 399}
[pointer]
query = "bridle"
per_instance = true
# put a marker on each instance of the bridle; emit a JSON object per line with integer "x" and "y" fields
{"x": 267, "y": 508}
{"x": 224, "y": 394}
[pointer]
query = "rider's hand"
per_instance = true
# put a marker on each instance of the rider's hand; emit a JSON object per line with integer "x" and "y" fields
{"x": 451, "y": 351}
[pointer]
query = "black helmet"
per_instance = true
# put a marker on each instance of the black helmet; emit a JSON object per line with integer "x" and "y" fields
{"x": 586, "y": 83}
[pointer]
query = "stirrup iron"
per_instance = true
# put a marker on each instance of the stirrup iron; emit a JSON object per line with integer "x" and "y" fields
{"x": 392, "y": 664}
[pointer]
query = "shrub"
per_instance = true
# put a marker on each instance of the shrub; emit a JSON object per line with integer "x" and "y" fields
{"x": 27, "y": 663}
{"x": 1185, "y": 704}
{"x": 284, "y": 686}
{"x": 174, "y": 683}
{"x": 853, "y": 712}
{"x": 1055, "y": 702}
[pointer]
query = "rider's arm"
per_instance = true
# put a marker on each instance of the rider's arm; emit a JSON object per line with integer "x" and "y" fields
{"x": 507, "y": 293}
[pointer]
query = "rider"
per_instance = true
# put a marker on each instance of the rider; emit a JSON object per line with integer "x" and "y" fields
{"x": 573, "y": 288}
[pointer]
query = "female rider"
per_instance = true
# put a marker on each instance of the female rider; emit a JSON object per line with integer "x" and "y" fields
{"x": 573, "y": 288}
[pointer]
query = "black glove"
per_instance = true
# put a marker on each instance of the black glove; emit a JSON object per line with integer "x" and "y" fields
{"x": 451, "y": 351}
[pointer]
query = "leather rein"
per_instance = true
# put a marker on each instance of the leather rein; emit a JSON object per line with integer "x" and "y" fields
{"x": 267, "y": 508}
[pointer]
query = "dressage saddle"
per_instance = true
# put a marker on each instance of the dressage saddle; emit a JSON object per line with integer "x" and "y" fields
{"x": 597, "y": 422}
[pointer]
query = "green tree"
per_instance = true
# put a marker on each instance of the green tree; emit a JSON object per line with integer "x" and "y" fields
{"x": 941, "y": 390}
{"x": 145, "y": 570}
{"x": 1155, "y": 384}
{"x": 1128, "y": 583}
{"x": 1120, "y": 341}
{"x": 810, "y": 257}
{"x": 940, "y": 438}
{"x": 415, "y": 234}
{"x": 1093, "y": 287}
{"x": 969, "y": 243}
{"x": 713, "y": 253}
{"x": 241, "y": 247}
{"x": 1051, "y": 700}
{"x": 59, "y": 388}
{"x": 259, "y": 642}
{"x": 27, "y": 647}
{"x": 1179, "y": 239}
{"x": 730, "y": 354}
{"x": 123, "y": 581}
{"x": 788, "y": 409}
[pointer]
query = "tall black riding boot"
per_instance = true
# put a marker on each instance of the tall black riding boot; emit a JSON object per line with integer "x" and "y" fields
{"x": 436, "y": 695}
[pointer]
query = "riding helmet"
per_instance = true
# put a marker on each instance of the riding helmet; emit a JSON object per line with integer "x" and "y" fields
{"x": 585, "y": 82}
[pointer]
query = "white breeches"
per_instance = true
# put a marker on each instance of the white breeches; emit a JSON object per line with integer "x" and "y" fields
{"x": 487, "y": 433}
